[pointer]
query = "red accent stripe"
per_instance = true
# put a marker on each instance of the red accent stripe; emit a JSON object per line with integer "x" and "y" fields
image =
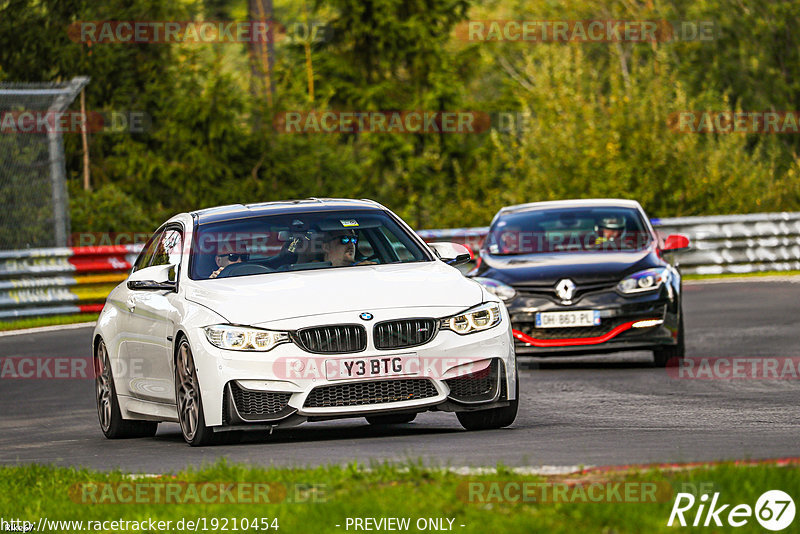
{"x": 566, "y": 342}
{"x": 100, "y": 250}
{"x": 91, "y": 308}
{"x": 691, "y": 465}
{"x": 87, "y": 264}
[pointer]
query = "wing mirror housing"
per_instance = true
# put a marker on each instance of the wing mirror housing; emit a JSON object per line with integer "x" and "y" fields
{"x": 154, "y": 278}
{"x": 451, "y": 253}
{"x": 675, "y": 243}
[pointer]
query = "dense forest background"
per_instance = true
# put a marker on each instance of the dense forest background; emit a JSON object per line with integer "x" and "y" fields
{"x": 596, "y": 113}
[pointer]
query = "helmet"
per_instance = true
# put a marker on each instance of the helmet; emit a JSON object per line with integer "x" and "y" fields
{"x": 613, "y": 223}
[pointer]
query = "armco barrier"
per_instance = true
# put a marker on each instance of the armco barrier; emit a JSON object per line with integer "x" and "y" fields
{"x": 719, "y": 244}
{"x": 58, "y": 281}
{"x": 72, "y": 280}
{"x": 738, "y": 243}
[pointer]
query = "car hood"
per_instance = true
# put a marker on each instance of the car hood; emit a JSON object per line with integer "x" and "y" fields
{"x": 276, "y": 296}
{"x": 580, "y": 267}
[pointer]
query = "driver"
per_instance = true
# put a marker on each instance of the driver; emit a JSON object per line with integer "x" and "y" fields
{"x": 339, "y": 247}
{"x": 609, "y": 230}
{"x": 224, "y": 259}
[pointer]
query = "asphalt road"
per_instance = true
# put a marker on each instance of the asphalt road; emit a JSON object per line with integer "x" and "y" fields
{"x": 604, "y": 410}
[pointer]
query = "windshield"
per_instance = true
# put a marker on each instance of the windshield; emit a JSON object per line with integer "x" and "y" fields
{"x": 299, "y": 242}
{"x": 598, "y": 229}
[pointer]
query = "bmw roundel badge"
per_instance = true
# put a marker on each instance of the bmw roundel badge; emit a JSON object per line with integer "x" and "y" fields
{"x": 366, "y": 316}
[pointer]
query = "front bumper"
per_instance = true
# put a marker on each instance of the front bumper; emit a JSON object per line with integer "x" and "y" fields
{"x": 287, "y": 385}
{"x": 618, "y": 315}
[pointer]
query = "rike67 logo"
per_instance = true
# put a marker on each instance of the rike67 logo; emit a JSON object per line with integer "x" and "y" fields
{"x": 774, "y": 510}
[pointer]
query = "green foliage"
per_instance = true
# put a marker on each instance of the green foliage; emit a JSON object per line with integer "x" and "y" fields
{"x": 317, "y": 499}
{"x": 584, "y": 142}
{"x": 599, "y": 116}
{"x": 597, "y": 112}
{"x": 107, "y": 209}
{"x": 22, "y": 188}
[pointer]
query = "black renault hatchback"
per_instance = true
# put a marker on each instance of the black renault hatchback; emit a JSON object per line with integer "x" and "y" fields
{"x": 585, "y": 277}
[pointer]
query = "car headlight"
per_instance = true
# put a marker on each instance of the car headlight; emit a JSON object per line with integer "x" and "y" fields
{"x": 647, "y": 280}
{"x": 503, "y": 291}
{"x": 477, "y": 319}
{"x": 231, "y": 337}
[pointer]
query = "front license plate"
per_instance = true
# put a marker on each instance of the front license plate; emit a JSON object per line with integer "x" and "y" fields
{"x": 567, "y": 319}
{"x": 379, "y": 366}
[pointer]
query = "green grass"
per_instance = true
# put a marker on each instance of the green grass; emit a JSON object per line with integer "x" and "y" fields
{"x": 739, "y": 275}
{"x": 32, "y": 322}
{"x": 35, "y": 491}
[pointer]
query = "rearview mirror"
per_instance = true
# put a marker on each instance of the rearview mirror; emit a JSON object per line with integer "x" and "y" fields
{"x": 158, "y": 277}
{"x": 451, "y": 253}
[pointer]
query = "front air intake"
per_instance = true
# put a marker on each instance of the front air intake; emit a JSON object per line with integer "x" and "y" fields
{"x": 404, "y": 333}
{"x": 370, "y": 393}
{"x": 334, "y": 339}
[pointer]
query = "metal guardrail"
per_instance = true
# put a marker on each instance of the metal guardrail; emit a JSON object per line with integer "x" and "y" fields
{"x": 720, "y": 244}
{"x": 738, "y": 243}
{"x": 61, "y": 281}
{"x": 77, "y": 280}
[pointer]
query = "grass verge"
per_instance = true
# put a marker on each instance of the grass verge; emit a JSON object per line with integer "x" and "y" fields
{"x": 319, "y": 499}
{"x": 33, "y": 322}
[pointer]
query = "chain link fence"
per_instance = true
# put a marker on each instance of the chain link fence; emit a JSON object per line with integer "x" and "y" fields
{"x": 33, "y": 194}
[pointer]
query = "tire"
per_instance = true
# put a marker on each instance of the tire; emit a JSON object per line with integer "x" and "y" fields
{"x": 190, "y": 406}
{"x": 108, "y": 413}
{"x": 671, "y": 355}
{"x": 493, "y": 418}
{"x": 391, "y": 419}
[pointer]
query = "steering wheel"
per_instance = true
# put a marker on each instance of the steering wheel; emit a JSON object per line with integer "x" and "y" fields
{"x": 239, "y": 269}
{"x": 375, "y": 256}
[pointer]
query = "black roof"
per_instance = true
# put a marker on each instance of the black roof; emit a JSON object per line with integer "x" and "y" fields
{"x": 283, "y": 207}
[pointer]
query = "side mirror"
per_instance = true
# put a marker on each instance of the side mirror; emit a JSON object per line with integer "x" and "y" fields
{"x": 451, "y": 253}
{"x": 158, "y": 277}
{"x": 675, "y": 243}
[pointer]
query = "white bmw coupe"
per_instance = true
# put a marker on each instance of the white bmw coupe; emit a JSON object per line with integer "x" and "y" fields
{"x": 269, "y": 315}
